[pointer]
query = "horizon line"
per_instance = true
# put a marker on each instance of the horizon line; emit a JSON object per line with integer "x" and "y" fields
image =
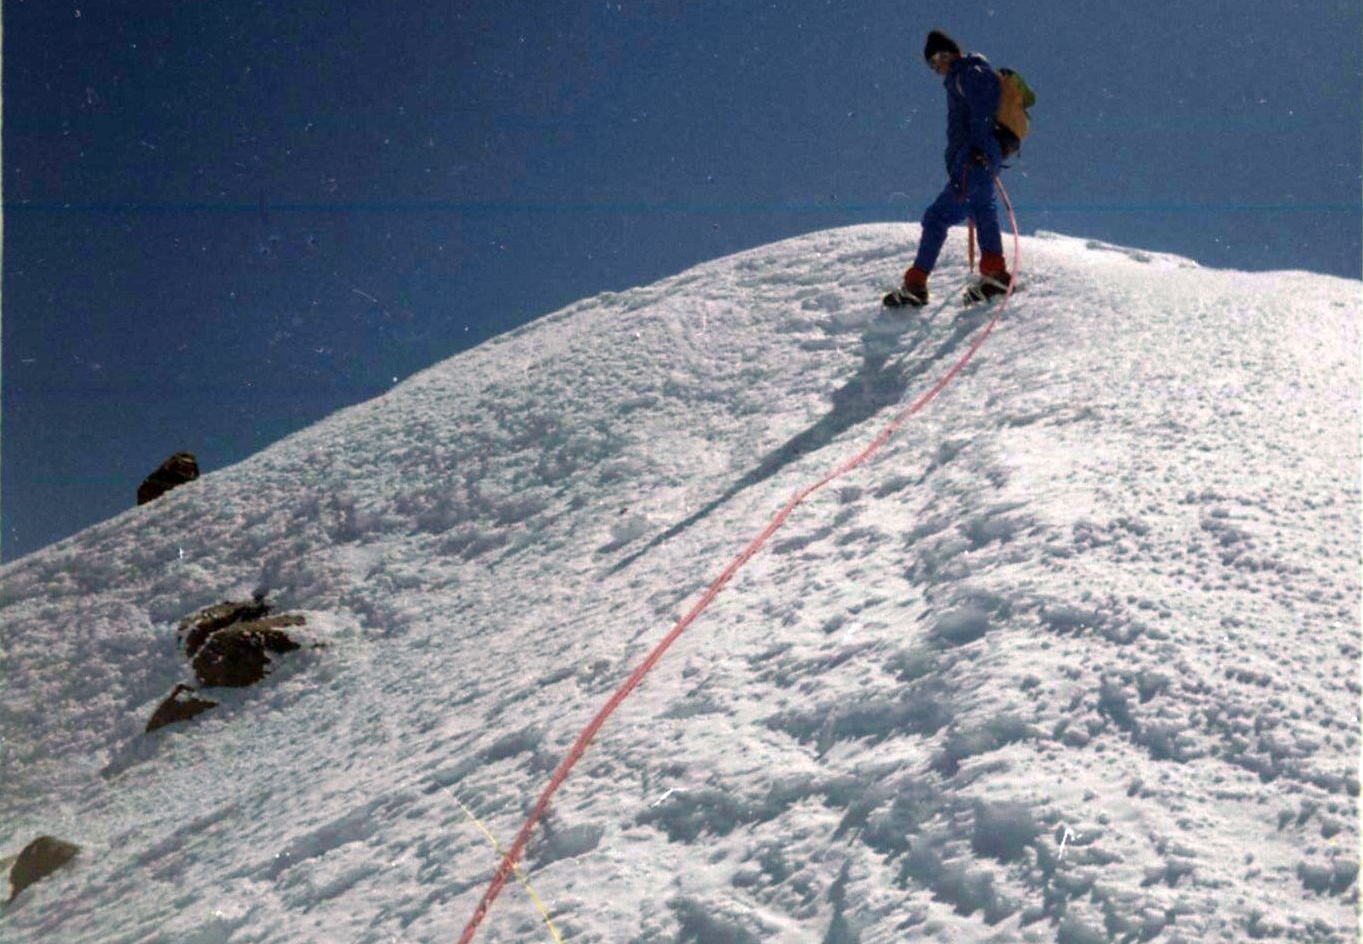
{"x": 588, "y": 206}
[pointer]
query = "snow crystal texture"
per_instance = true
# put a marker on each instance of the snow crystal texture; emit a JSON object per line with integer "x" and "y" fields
{"x": 1074, "y": 659}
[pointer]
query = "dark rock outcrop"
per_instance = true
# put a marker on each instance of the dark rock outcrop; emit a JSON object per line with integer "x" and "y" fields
{"x": 240, "y": 654}
{"x": 177, "y": 470}
{"x": 40, "y": 858}
{"x": 229, "y": 645}
{"x": 180, "y": 705}
{"x": 195, "y": 630}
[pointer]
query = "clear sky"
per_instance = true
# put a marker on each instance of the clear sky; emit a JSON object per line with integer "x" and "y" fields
{"x": 224, "y": 221}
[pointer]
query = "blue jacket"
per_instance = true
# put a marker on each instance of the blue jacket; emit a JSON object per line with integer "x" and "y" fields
{"x": 972, "y": 101}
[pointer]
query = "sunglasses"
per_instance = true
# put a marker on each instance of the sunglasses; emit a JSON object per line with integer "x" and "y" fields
{"x": 937, "y": 59}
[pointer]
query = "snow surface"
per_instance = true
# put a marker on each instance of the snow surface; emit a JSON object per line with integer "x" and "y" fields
{"x": 1074, "y": 659}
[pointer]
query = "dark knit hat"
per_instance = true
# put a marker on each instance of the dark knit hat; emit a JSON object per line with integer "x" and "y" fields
{"x": 939, "y": 42}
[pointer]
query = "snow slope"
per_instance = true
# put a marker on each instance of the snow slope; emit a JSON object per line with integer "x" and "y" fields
{"x": 1074, "y": 659}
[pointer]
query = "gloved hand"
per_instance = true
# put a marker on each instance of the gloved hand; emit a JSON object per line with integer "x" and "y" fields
{"x": 989, "y": 157}
{"x": 986, "y": 161}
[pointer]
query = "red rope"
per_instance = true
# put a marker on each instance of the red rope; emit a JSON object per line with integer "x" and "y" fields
{"x": 589, "y": 732}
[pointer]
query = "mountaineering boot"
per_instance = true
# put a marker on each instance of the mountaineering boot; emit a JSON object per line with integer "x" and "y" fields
{"x": 913, "y": 293}
{"x": 989, "y": 286}
{"x": 906, "y": 297}
{"x": 994, "y": 279}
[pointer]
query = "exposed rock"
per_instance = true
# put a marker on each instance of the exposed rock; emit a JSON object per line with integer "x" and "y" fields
{"x": 195, "y": 630}
{"x": 239, "y": 655}
{"x": 40, "y": 858}
{"x": 179, "y": 705}
{"x": 177, "y": 470}
{"x": 229, "y": 645}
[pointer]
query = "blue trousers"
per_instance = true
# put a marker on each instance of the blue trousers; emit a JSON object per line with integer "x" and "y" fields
{"x": 952, "y": 207}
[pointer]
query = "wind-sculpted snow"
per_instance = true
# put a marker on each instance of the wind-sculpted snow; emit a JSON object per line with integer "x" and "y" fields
{"x": 1074, "y": 659}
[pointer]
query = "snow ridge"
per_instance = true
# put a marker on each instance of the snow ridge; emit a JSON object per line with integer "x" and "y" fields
{"x": 511, "y": 857}
{"x": 1074, "y": 659}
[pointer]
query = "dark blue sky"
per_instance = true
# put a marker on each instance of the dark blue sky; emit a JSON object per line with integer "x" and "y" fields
{"x": 225, "y": 220}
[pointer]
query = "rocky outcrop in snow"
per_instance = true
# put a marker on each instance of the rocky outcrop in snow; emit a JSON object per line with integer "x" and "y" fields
{"x": 175, "y": 471}
{"x": 195, "y": 630}
{"x": 40, "y": 858}
{"x": 180, "y": 705}
{"x": 240, "y": 655}
{"x": 230, "y": 645}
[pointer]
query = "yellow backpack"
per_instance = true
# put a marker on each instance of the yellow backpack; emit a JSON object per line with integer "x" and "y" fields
{"x": 1011, "y": 121}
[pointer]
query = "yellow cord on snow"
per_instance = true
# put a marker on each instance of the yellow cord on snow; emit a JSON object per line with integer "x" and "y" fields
{"x": 519, "y": 874}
